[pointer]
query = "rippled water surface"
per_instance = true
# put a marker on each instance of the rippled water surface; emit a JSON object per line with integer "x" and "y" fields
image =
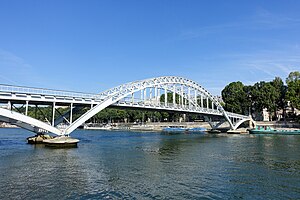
{"x": 135, "y": 165}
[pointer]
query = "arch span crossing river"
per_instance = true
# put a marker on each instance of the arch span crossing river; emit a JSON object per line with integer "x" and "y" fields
{"x": 185, "y": 95}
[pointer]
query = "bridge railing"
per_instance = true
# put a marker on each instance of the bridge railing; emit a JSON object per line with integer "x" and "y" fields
{"x": 235, "y": 115}
{"x": 141, "y": 103}
{"x": 45, "y": 92}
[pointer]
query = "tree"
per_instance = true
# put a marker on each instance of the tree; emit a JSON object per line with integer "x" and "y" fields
{"x": 249, "y": 101}
{"x": 170, "y": 98}
{"x": 272, "y": 95}
{"x": 293, "y": 77}
{"x": 164, "y": 116}
{"x": 280, "y": 90}
{"x": 209, "y": 105}
{"x": 264, "y": 95}
{"x": 235, "y": 98}
{"x": 293, "y": 91}
{"x": 156, "y": 116}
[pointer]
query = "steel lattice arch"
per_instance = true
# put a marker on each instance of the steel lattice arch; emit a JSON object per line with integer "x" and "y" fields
{"x": 187, "y": 96}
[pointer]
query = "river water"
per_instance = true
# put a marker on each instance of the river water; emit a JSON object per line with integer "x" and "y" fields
{"x": 137, "y": 165}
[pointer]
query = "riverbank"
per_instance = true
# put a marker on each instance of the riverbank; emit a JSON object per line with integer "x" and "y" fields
{"x": 159, "y": 126}
{"x": 150, "y": 126}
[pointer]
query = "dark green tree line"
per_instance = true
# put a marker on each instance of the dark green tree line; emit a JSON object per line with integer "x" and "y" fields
{"x": 273, "y": 95}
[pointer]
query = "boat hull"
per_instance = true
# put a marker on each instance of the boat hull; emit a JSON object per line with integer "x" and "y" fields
{"x": 276, "y": 132}
{"x": 61, "y": 141}
{"x": 185, "y": 130}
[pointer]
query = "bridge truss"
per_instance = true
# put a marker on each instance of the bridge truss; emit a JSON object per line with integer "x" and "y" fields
{"x": 186, "y": 96}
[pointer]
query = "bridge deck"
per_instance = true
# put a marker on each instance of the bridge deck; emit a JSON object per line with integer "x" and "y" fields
{"x": 186, "y": 96}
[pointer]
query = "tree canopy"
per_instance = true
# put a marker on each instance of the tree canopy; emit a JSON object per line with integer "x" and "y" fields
{"x": 272, "y": 95}
{"x": 293, "y": 89}
{"x": 234, "y": 97}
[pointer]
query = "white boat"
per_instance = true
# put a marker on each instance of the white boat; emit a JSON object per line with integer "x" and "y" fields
{"x": 102, "y": 127}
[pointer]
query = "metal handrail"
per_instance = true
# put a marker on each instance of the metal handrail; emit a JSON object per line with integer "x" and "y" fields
{"x": 45, "y": 92}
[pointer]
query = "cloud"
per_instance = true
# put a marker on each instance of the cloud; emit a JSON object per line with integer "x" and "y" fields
{"x": 206, "y": 30}
{"x": 268, "y": 19}
{"x": 266, "y": 65}
{"x": 10, "y": 63}
{"x": 7, "y": 80}
{"x": 15, "y": 70}
{"x": 261, "y": 19}
{"x": 11, "y": 59}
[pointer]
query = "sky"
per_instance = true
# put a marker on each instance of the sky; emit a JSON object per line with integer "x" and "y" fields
{"x": 94, "y": 45}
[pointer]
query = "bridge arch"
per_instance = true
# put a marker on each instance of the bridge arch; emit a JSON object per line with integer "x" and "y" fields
{"x": 27, "y": 122}
{"x": 188, "y": 97}
{"x": 251, "y": 123}
{"x": 178, "y": 85}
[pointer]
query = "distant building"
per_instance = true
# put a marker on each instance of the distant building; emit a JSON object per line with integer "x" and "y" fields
{"x": 265, "y": 115}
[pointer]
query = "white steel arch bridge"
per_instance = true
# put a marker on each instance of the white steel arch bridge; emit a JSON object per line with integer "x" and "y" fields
{"x": 187, "y": 96}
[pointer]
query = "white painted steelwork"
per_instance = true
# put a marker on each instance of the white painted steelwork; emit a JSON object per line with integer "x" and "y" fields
{"x": 191, "y": 99}
{"x": 26, "y": 122}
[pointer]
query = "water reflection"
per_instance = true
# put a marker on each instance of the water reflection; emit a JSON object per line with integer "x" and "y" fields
{"x": 128, "y": 165}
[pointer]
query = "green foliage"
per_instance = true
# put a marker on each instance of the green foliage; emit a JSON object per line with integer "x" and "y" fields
{"x": 271, "y": 95}
{"x": 281, "y": 91}
{"x": 204, "y": 102}
{"x": 293, "y": 91}
{"x": 43, "y": 113}
{"x": 293, "y": 77}
{"x": 170, "y": 98}
{"x": 108, "y": 115}
{"x": 264, "y": 95}
{"x": 235, "y": 97}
